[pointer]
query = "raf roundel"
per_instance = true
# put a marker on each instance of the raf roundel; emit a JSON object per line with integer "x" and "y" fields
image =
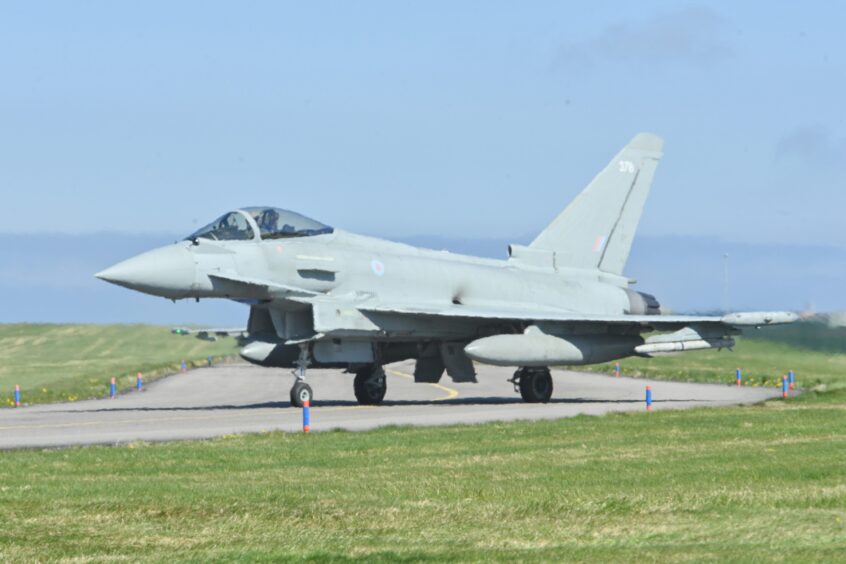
{"x": 377, "y": 267}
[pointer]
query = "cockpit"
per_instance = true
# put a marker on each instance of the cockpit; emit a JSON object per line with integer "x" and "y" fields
{"x": 270, "y": 223}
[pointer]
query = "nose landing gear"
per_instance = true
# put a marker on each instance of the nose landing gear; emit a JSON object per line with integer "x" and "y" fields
{"x": 300, "y": 391}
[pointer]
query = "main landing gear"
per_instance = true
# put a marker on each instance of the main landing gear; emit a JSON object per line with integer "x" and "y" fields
{"x": 534, "y": 384}
{"x": 370, "y": 384}
{"x": 300, "y": 391}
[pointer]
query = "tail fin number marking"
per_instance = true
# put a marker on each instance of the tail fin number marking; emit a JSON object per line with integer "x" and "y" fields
{"x": 627, "y": 166}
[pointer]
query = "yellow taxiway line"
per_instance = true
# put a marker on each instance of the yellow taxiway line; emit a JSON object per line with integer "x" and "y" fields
{"x": 451, "y": 394}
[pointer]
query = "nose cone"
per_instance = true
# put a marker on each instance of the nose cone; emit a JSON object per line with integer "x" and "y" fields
{"x": 167, "y": 271}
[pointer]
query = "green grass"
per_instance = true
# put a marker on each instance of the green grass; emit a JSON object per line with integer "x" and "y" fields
{"x": 743, "y": 484}
{"x": 763, "y": 363}
{"x": 69, "y": 362}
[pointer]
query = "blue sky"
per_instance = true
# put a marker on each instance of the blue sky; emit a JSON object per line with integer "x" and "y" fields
{"x": 465, "y": 123}
{"x": 478, "y": 119}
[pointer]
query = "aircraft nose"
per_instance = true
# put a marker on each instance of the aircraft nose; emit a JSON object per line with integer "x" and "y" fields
{"x": 167, "y": 271}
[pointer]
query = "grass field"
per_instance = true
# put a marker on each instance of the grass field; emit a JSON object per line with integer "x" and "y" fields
{"x": 765, "y": 482}
{"x": 763, "y": 364}
{"x": 744, "y": 484}
{"x": 815, "y": 352}
{"x": 68, "y": 362}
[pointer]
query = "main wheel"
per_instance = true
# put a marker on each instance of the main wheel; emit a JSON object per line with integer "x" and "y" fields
{"x": 300, "y": 393}
{"x": 370, "y": 385}
{"x": 536, "y": 385}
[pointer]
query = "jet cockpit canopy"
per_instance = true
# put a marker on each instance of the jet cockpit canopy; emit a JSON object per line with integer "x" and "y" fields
{"x": 272, "y": 223}
{"x": 276, "y": 223}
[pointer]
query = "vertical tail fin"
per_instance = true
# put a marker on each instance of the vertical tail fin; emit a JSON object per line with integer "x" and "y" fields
{"x": 597, "y": 229}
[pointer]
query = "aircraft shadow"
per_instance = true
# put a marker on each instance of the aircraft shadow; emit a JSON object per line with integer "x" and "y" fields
{"x": 388, "y": 403}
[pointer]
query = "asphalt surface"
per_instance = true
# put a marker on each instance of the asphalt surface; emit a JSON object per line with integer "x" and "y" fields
{"x": 240, "y": 398}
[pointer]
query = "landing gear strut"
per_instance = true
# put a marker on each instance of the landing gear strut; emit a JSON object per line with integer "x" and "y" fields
{"x": 300, "y": 391}
{"x": 370, "y": 385}
{"x": 534, "y": 384}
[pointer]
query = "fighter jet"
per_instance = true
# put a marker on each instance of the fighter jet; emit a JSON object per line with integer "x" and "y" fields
{"x": 327, "y": 298}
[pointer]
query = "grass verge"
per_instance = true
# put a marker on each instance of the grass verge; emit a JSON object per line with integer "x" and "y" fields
{"x": 743, "y": 484}
{"x": 763, "y": 364}
{"x": 69, "y": 362}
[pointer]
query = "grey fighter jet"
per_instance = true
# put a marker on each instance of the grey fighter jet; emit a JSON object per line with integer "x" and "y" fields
{"x": 322, "y": 297}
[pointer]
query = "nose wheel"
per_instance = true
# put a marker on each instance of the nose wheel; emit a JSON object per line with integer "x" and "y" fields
{"x": 300, "y": 393}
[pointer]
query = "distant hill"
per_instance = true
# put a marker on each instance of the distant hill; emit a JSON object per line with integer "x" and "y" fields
{"x": 49, "y": 277}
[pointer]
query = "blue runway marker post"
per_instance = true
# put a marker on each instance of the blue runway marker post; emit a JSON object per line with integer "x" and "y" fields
{"x": 209, "y": 359}
{"x": 306, "y": 416}
{"x": 17, "y": 395}
{"x": 784, "y": 386}
{"x": 183, "y": 367}
{"x": 739, "y": 377}
{"x": 139, "y": 382}
{"x": 112, "y": 389}
{"x": 648, "y": 398}
{"x": 617, "y": 369}
{"x": 790, "y": 379}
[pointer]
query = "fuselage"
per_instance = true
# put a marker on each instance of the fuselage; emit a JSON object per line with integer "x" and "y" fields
{"x": 342, "y": 263}
{"x": 348, "y": 291}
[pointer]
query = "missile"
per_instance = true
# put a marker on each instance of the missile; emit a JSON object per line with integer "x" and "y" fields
{"x": 681, "y": 346}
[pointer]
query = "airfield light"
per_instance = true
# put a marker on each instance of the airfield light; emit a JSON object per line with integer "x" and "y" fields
{"x": 648, "y": 398}
{"x": 784, "y": 386}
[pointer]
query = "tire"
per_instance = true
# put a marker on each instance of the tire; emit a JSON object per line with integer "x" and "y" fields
{"x": 536, "y": 385}
{"x": 370, "y": 385}
{"x": 300, "y": 393}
